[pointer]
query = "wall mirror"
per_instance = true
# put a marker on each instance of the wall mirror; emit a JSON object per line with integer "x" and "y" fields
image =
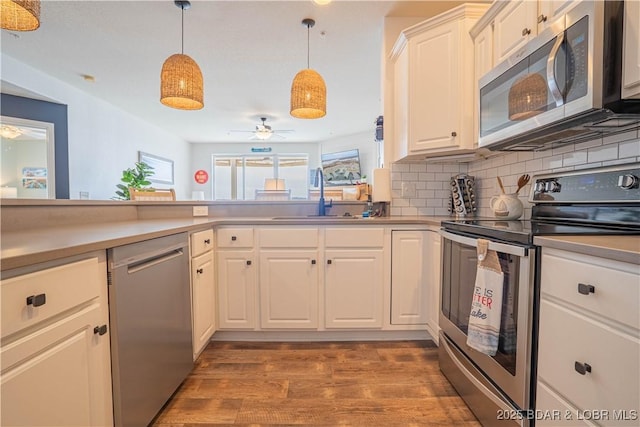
{"x": 28, "y": 159}
{"x": 35, "y": 153}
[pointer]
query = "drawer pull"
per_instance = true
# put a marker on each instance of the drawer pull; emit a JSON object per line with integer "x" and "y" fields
{"x": 454, "y": 134}
{"x": 248, "y": 262}
{"x": 37, "y": 300}
{"x": 582, "y": 368}
{"x": 234, "y": 238}
{"x": 207, "y": 241}
{"x": 199, "y": 271}
{"x": 100, "y": 330}
{"x": 328, "y": 261}
{"x": 313, "y": 262}
{"x": 586, "y": 289}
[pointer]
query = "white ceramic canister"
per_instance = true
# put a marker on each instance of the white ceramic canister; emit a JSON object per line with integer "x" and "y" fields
{"x": 506, "y": 206}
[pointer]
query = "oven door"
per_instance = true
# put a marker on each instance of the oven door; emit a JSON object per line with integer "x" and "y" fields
{"x": 510, "y": 368}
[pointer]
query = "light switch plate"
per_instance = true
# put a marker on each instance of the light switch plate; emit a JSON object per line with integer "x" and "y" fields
{"x": 201, "y": 211}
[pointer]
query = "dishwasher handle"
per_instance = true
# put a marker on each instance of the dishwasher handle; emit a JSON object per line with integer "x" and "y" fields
{"x": 155, "y": 260}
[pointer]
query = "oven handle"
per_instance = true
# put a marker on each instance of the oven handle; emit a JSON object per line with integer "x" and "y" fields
{"x": 498, "y": 247}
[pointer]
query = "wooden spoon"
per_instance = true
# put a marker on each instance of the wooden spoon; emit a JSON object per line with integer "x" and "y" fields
{"x": 522, "y": 181}
{"x": 500, "y": 184}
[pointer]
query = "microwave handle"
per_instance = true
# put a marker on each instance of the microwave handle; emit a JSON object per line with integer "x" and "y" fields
{"x": 495, "y": 246}
{"x": 551, "y": 74}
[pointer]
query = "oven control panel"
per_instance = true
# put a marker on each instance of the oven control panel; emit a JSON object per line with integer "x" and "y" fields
{"x": 616, "y": 184}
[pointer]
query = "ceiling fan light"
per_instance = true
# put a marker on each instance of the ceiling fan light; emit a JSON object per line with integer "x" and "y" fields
{"x": 181, "y": 84}
{"x": 308, "y": 95}
{"x": 20, "y": 15}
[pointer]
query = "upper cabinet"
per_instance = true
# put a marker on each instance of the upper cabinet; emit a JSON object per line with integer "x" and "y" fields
{"x": 631, "y": 55}
{"x": 514, "y": 26}
{"x": 433, "y": 91}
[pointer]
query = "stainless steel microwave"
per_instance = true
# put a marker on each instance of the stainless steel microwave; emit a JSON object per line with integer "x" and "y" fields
{"x": 564, "y": 86}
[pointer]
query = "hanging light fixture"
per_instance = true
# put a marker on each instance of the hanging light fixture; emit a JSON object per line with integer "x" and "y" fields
{"x": 20, "y": 15}
{"x": 181, "y": 79}
{"x": 308, "y": 91}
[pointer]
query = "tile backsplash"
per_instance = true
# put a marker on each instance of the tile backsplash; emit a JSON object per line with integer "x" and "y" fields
{"x": 422, "y": 188}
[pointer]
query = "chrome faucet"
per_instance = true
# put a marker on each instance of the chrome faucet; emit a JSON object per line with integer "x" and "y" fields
{"x": 319, "y": 180}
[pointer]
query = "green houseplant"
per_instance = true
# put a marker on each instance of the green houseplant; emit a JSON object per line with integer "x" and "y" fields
{"x": 135, "y": 177}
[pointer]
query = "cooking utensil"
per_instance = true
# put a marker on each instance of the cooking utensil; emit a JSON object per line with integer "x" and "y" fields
{"x": 522, "y": 181}
{"x": 500, "y": 184}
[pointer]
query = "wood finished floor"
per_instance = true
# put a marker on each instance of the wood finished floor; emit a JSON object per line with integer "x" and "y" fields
{"x": 385, "y": 384}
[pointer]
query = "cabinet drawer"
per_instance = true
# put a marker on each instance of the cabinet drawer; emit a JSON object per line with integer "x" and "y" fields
{"x": 615, "y": 285}
{"x": 235, "y": 237}
{"x": 288, "y": 237}
{"x": 567, "y": 337}
{"x": 201, "y": 242}
{"x": 64, "y": 287}
{"x": 361, "y": 237}
{"x": 553, "y": 411}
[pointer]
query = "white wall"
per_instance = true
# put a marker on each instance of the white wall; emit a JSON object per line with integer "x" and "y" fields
{"x": 103, "y": 139}
{"x": 18, "y": 154}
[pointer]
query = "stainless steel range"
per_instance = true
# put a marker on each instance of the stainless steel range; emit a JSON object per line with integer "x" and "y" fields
{"x": 592, "y": 201}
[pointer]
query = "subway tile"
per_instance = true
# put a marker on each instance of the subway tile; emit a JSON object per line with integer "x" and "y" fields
{"x": 441, "y": 212}
{"x": 524, "y": 156}
{"x": 418, "y": 202}
{"x": 621, "y": 137}
{"x": 550, "y": 163}
{"x": 603, "y": 153}
{"x": 396, "y": 176}
{"x": 574, "y": 158}
{"x": 426, "y": 194}
{"x": 426, "y": 211}
{"x": 518, "y": 168}
{"x": 587, "y": 165}
{"x": 629, "y": 149}
{"x": 589, "y": 144}
{"x": 451, "y": 167}
{"x": 533, "y": 165}
{"x": 410, "y": 211}
{"x": 567, "y": 148}
{"x": 409, "y": 176}
{"x": 434, "y": 167}
{"x": 504, "y": 170}
{"x": 395, "y": 211}
{"x": 443, "y": 176}
{"x": 422, "y": 185}
{"x": 435, "y": 203}
{"x": 621, "y": 161}
{"x": 400, "y": 167}
{"x": 400, "y": 203}
{"x": 396, "y": 185}
{"x": 542, "y": 154}
{"x": 426, "y": 176}
{"x": 417, "y": 167}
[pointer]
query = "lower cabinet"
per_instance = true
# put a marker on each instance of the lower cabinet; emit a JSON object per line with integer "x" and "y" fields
{"x": 589, "y": 344}
{"x": 55, "y": 352}
{"x": 237, "y": 281}
{"x": 353, "y": 288}
{"x": 289, "y": 289}
{"x": 409, "y": 274}
{"x": 203, "y": 289}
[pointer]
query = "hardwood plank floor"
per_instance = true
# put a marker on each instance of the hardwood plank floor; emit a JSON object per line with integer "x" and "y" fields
{"x": 390, "y": 383}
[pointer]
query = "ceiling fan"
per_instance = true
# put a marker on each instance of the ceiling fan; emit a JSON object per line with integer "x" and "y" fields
{"x": 264, "y": 132}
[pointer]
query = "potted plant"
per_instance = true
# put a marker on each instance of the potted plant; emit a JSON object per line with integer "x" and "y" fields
{"x": 135, "y": 177}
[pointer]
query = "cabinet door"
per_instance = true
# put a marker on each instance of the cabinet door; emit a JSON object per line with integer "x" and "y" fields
{"x": 514, "y": 26}
{"x": 202, "y": 300}
{"x": 483, "y": 62}
{"x": 434, "y": 266}
{"x": 434, "y": 89}
{"x": 289, "y": 289}
{"x": 59, "y": 375}
{"x": 409, "y": 277}
{"x": 353, "y": 288}
{"x": 550, "y": 10}
{"x": 236, "y": 289}
{"x": 631, "y": 52}
{"x": 401, "y": 105}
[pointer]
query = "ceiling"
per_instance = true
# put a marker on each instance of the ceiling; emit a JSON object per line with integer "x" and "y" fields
{"x": 248, "y": 51}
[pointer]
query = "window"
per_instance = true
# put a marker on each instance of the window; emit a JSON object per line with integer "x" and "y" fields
{"x": 237, "y": 177}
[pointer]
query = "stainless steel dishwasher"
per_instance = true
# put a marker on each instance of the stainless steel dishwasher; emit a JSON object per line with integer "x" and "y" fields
{"x": 150, "y": 317}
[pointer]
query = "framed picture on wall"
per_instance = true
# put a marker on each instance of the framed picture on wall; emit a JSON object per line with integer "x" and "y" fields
{"x": 162, "y": 168}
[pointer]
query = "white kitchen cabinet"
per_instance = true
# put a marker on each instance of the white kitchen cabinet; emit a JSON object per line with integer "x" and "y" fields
{"x": 549, "y": 10}
{"x": 589, "y": 344}
{"x": 354, "y": 278}
{"x": 483, "y": 57}
{"x": 631, "y": 51}
{"x": 409, "y": 277}
{"x": 513, "y": 27}
{"x": 434, "y": 273}
{"x": 433, "y": 85}
{"x": 203, "y": 301}
{"x": 289, "y": 277}
{"x": 237, "y": 278}
{"x": 55, "y": 354}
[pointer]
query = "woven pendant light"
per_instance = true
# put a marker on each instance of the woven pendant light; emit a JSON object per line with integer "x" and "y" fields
{"x": 181, "y": 84}
{"x": 308, "y": 90}
{"x": 20, "y": 15}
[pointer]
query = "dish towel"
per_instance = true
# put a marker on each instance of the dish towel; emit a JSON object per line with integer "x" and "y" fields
{"x": 486, "y": 306}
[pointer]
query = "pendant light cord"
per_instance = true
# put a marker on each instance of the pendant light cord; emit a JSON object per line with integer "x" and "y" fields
{"x": 182, "y": 41}
{"x": 308, "y": 26}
